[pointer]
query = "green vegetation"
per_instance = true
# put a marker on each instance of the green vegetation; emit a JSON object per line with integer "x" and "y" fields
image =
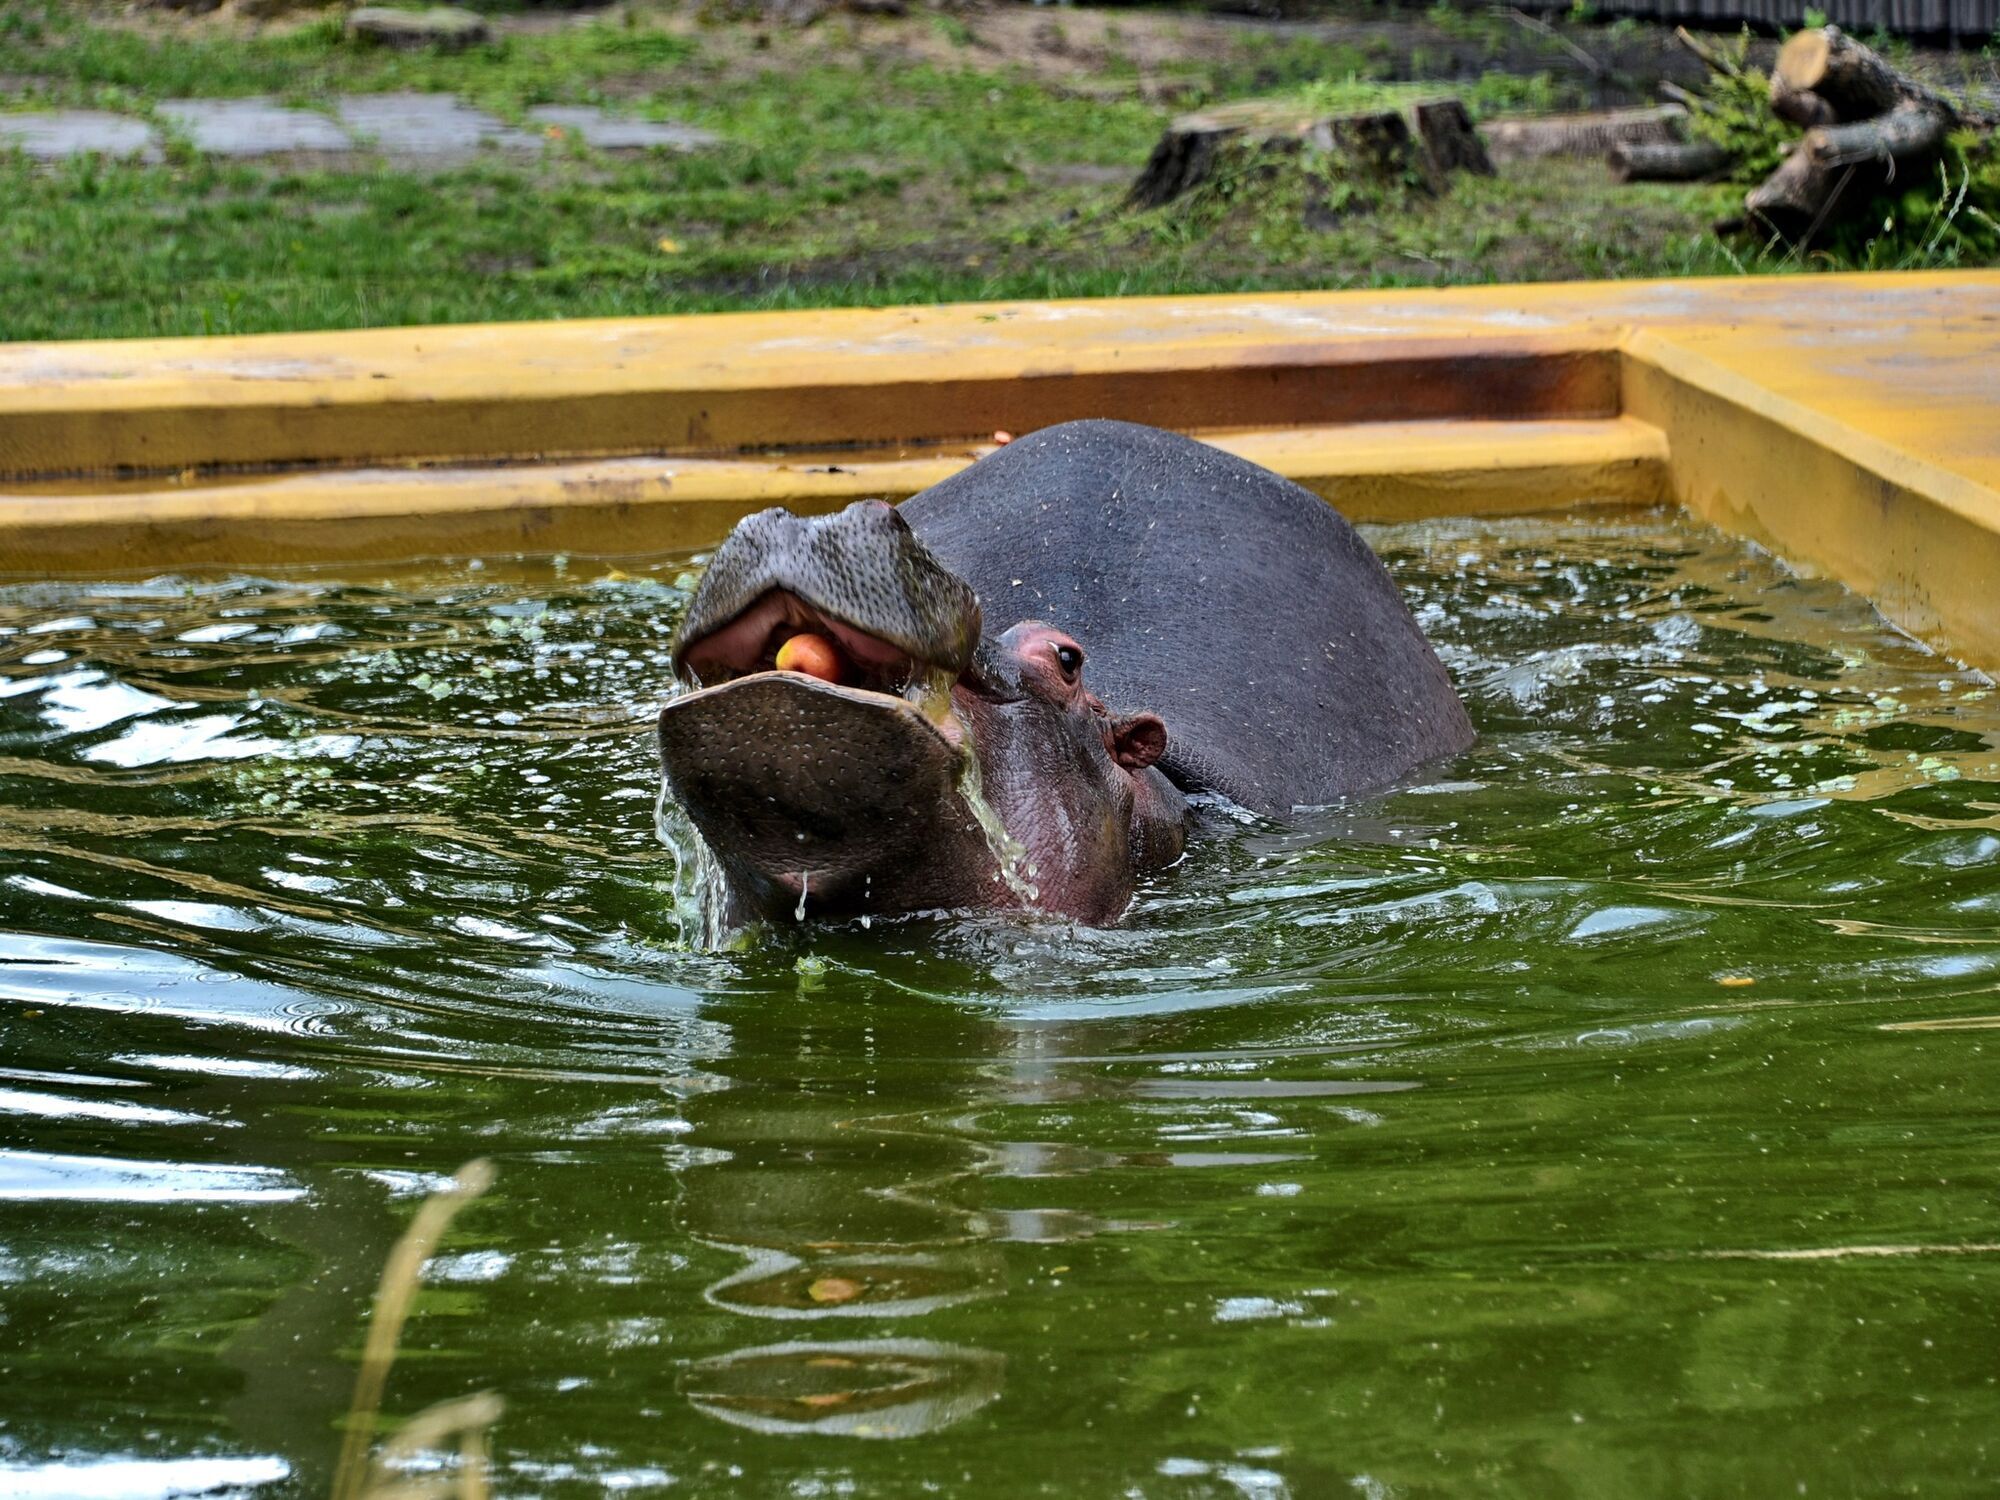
{"x": 863, "y": 160}
{"x": 1493, "y": 93}
{"x": 1736, "y": 113}
{"x": 1951, "y": 219}
{"x": 59, "y": 53}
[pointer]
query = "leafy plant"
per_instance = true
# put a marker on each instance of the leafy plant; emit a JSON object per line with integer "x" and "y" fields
{"x": 1952, "y": 219}
{"x": 1734, "y": 112}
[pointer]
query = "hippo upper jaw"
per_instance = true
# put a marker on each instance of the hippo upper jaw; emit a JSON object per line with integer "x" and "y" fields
{"x": 859, "y": 578}
{"x": 827, "y": 798}
{"x": 749, "y": 644}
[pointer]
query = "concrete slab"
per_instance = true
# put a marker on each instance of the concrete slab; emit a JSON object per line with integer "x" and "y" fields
{"x": 426, "y": 125}
{"x": 609, "y": 133}
{"x": 417, "y": 126}
{"x": 252, "y": 127}
{"x": 78, "y": 132}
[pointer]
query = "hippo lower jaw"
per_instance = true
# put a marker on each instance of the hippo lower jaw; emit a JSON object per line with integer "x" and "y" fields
{"x": 829, "y": 798}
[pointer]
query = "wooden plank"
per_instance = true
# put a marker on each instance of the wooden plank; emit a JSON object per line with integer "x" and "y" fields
{"x": 1394, "y": 471}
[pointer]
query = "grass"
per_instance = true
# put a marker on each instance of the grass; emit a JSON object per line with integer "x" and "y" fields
{"x": 863, "y": 162}
{"x": 65, "y": 54}
{"x": 365, "y": 1473}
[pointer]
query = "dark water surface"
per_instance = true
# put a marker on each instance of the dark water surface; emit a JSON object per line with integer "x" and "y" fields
{"x": 1616, "y": 1115}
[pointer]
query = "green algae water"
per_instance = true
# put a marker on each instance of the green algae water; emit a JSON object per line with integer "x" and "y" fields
{"x": 1614, "y": 1113}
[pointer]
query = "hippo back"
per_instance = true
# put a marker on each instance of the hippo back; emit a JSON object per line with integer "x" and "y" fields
{"x": 1239, "y": 607}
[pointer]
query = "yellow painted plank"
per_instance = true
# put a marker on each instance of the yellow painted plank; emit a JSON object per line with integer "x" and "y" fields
{"x": 1407, "y": 471}
{"x": 1372, "y": 471}
{"x": 1927, "y": 389}
{"x": 727, "y": 382}
{"x": 505, "y": 396}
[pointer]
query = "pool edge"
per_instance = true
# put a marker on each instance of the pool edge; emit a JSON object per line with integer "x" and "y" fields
{"x": 1849, "y": 423}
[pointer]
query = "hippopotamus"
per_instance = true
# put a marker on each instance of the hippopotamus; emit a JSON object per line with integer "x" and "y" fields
{"x": 1016, "y": 677}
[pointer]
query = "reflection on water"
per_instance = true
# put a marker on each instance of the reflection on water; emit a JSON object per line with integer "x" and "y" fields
{"x": 879, "y": 1388}
{"x": 1612, "y": 1114}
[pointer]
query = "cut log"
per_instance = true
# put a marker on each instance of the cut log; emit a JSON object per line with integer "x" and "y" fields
{"x": 1911, "y": 129}
{"x": 1854, "y": 81}
{"x": 1542, "y": 28}
{"x": 1799, "y": 106}
{"x": 1796, "y": 197}
{"x": 1714, "y": 61}
{"x": 1445, "y": 128}
{"x": 1673, "y": 92}
{"x": 1258, "y": 134}
{"x": 1678, "y": 161}
{"x": 1531, "y": 137}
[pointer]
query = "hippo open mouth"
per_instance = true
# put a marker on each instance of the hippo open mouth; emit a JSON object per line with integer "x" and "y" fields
{"x": 755, "y": 641}
{"x": 822, "y": 786}
{"x": 860, "y": 578}
{"x": 810, "y": 791}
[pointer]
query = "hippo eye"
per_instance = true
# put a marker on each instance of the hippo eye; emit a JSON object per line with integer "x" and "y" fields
{"x": 1070, "y": 659}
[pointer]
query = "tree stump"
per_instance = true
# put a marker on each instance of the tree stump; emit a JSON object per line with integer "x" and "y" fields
{"x": 1259, "y": 135}
{"x": 1381, "y": 145}
{"x": 1868, "y": 124}
{"x": 443, "y": 28}
{"x": 1445, "y": 128}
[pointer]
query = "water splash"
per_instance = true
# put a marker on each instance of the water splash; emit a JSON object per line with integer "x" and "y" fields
{"x": 700, "y": 894}
{"x": 929, "y": 692}
{"x": 1015, "y": 869}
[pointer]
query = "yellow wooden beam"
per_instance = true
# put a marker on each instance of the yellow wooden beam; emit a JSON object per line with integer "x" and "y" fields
{"x": 529, "y": 391}
{"x": 1385, "y": 471}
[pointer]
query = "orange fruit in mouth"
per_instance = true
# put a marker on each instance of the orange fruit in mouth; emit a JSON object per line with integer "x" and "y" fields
{"x": 814, "y": 655}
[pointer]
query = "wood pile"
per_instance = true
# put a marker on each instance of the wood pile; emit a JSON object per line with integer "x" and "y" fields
{"x": 1866, "y": 125}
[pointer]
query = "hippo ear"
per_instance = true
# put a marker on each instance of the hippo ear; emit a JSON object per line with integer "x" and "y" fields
{"x": 1138, "y": 740}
